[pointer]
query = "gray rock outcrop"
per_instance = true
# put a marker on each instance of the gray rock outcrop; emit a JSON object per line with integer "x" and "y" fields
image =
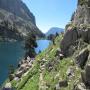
{"x": 82, "y": 58}
{"x": 82, "y": 14}
{"x": 69, "y": 39}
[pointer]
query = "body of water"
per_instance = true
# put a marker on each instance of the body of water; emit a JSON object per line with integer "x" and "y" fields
{"x": 11, "y": 54}
{"x": 42, "y": 45}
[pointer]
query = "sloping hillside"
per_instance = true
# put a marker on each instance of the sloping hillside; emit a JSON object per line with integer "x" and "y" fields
{"x": 53, "y": 71}
{"x": 62, "y": 66}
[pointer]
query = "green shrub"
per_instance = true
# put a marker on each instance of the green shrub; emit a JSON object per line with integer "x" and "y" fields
{"x": 82, "y": 2}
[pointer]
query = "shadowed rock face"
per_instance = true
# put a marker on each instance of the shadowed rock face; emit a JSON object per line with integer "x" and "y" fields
{"x": 69, "y": 39}
{"x": 18, "y": 8}
{"x": 82, "y": 58}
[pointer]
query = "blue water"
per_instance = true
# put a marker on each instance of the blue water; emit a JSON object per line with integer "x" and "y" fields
{"x": 11, "y": 54}
{"x": 42, "y": 45}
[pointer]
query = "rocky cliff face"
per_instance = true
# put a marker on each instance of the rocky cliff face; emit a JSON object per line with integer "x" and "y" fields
{"x": 18, "y": 8}
{"x": 82, "y": 14}
{"x": 76, "y": 43}
{"x": 16, "y": 14}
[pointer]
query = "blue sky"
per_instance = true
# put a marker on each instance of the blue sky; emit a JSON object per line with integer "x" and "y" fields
{"x": 51, "y": 13}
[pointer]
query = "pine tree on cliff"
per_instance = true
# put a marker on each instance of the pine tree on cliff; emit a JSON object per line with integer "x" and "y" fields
{"x": 30, "y": 45}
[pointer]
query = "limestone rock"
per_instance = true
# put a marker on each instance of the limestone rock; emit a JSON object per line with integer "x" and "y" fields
{"x": 19, "y": 74}
{"x": 82, "y": 58}
{"x": 57, "y": 87}
{"x": 80, "y": 86}
{"x": 87, "y": 74}
{"x": 8, "y": 86}
{"x": 85, "y": 35}
{"x": 69, "y": 39}
{"x": 70, "y": 71}
{"x": 82, "y": 14}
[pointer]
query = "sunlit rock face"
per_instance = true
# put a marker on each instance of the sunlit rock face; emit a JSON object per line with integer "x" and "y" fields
{"x": 18, "y": 8}
{"x": 82, "y": 14}
{"x": 16, "y": 15}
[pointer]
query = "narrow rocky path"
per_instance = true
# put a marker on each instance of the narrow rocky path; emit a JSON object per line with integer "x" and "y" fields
{"x": 42, "y": 83}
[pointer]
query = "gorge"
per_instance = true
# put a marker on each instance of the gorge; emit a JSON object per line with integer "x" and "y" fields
{"x": 64, "y": 65}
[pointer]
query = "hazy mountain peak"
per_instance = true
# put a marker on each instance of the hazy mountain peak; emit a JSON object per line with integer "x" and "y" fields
{"x": 53, "y": 30}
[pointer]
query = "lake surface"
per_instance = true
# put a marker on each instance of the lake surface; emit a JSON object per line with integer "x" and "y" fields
{"x": 42, "y": 45}
{"x": 11, "y": 54}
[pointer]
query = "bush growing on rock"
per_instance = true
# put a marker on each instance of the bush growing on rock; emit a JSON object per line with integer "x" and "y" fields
{"x": 30, "y": 45}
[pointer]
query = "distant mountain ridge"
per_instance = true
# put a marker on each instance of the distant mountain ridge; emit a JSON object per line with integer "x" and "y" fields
{"x": 16, "y": 14}
{"x": 54, "y": 30}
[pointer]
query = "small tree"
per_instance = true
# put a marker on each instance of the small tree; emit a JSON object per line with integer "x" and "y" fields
{"x": 30, "y": 45}
{"x": 52, "y": 38}
{"x": 57, "y": 34}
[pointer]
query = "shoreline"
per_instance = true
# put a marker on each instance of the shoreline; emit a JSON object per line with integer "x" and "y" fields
{"x": 22, "y": 70}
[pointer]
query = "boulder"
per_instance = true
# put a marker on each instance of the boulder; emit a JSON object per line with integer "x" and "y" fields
{"x": 83, "y": 76}
{"x": 28, "y": 58}
{"x": 89, "y": 35}
{"x": 69, "y": 39}
{"x": 16, "y": 79}
{"x": 80, "y": 86}
{"x": 70, "y": 71}
{"x": 63, "y": 83}
{"x": 82, "y": 58}
{"x": 19, "y": 74}
{"x": 61, "y": 56}
{"x": 86, "y": 76}
{"x": 85, "y": 35}
{"x": 29, "y": 65}
{"x": 50, "y": 65}
{"x": 11, "y": 77}
{"x": 8, "y": 86}
{"x": 57, "y": 87}
{"x": 23, "y": 66}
